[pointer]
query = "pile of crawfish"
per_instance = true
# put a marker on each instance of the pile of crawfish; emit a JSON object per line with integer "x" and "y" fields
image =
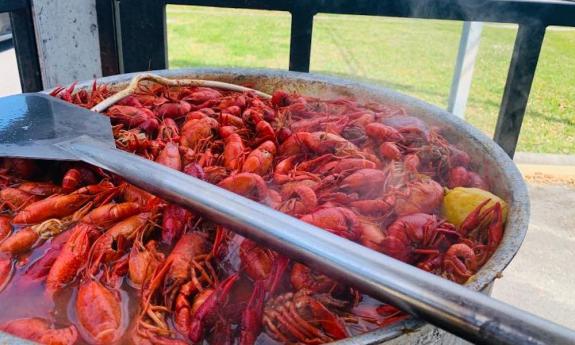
{"x": 87, "y": 258}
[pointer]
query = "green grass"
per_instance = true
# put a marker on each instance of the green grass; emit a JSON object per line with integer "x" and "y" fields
{"x": 413, "y": 56}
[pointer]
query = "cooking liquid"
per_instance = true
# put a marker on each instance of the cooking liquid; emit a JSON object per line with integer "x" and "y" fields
{"x": 25, "y": 298}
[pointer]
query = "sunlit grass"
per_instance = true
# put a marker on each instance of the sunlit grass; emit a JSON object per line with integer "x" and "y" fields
{"x": 412, "y": 56}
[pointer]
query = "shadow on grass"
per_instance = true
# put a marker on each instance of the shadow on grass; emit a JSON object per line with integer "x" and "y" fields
{"x": 400, "y": 87}
{"x": 530, "y": 113}
{"x": 568, "y": 122}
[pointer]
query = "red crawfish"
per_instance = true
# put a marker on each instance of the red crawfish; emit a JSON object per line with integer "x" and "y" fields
{"x": 381, "y": 133}
{"x": 298, "y": 199}
{"x": 282, "y": 99}
{"x": 201, "y": 95}
{"x": 233, "y": 103}
{"x": 40, "y": 268}
{"x": 71, "y": 258}
{"x": 412, "y": 129}
{"x": 332, "y": 124}
{"x": 251, "y": 324}
{"x": 285, "y": 171}
{"x": 99, "y": 312}
{"x": 458, "y": 157}
{"x": 367, "y": 183}
{"x": 59, "y": 206}
{"x": 372, "y": 235}
{"x": 175, "y": 220}
{"x": 137, "y": 195}
{"x": 419, "y": 196}
{"x": 205, "y": 313}
{"x": 249, "y": 185}
{"x": 109, "y": 214}
{"x": 390, "y": 151}
{"x": 227, "y": 119}
{"x": 41, "y": 331}
{"x": 16, "y": 199}
{"x": 133, "y": 117}
{"x": 459, "y": 263}
{"x": 264, "y": 132}
{"x": 25, "y": 238}
{"x": 22, "y": 168}
{"x": 417, "y": 234}
{"x": 185, "y": 272}
{"x": 168, "y": 131}
{"x": 382, "y": 315}
{"x": 262, "y": 264}
{"x": 484, "y": 228}
{"x": 6, "y": 269}
{"x": 311, "y": 165}
{"x": 234, "y": 152}
{"x": 303, "y": 317}
{"x": 195, "y": 131}
{"x": 173, "y": 110}
{"x": 132, "y": 140}
{"x": 112, "y": 244}
{"x": 303, "y": 277}
{"x": 131, "y": 101}
{"x": 40, "y": 188}
{"x": 260, "y": 160}
{"x": 461, "y": 177}
{"x": 170, "y": 156}
{"x": 316, "y": 142}
{"x": 346, "y": 165}
{"x": 5, "y": 227}
{"x": 143, "y": 262}
{"x": 337, "y": 220}
{"x": 379, "y": 208}
{"x": 77, "y": 177}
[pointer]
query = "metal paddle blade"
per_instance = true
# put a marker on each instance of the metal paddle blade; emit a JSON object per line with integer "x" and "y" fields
{"x": 31, "y": 124}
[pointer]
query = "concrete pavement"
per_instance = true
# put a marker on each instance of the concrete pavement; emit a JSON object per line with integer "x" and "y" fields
{"x": 541, "y": 279}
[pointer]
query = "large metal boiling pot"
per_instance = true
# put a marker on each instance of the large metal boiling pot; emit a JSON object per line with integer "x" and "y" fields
{"x": 487, "y": 158}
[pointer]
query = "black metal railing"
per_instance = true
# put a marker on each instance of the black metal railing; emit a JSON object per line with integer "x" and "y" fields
{"x": 24, "y": 43}
{"x": 141, "y": 33}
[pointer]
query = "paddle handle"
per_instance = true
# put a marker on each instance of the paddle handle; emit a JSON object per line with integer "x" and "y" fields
{"x": 450, "y": 306}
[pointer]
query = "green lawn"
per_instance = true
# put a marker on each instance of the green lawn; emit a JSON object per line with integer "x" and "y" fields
{"x": 412, "y": 56}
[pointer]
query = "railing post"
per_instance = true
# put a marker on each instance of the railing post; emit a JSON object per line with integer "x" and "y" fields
{"x": 301, "y": 34}
{"x": 106, "y": 14}
{"x": 143, "y": 38}
{"x": 463, "y": 74}
{"x": 519, "y": 80}
{"x": 25, "y": 46}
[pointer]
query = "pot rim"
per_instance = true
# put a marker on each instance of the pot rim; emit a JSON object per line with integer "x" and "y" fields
{"x": 518, "y": 200}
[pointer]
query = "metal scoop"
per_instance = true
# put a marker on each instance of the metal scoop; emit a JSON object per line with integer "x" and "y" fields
{"x": 39, "y": 126}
